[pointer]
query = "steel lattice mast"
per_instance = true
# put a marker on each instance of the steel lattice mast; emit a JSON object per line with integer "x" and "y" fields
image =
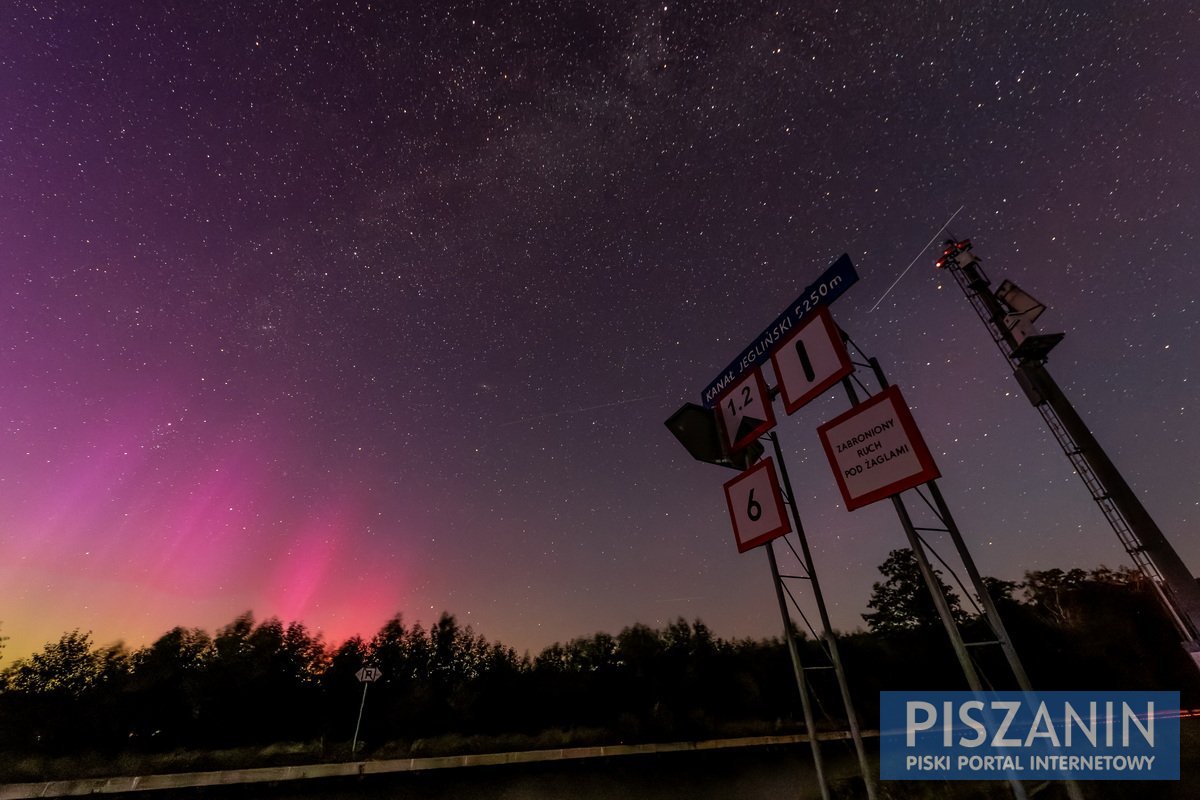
{"x": 1008, "y": 314}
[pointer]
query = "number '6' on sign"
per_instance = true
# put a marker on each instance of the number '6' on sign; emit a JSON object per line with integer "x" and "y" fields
{"x": 756, "y": 506}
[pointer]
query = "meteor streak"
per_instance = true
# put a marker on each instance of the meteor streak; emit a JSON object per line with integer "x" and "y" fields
{"x": 568, "y": 411}
{"x": 910, "y": 265}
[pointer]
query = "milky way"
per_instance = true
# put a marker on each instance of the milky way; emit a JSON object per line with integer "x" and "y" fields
{"x": 337, "y": 311}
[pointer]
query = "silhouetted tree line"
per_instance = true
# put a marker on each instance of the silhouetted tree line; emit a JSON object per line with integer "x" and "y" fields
{"x": 255, "y": 683}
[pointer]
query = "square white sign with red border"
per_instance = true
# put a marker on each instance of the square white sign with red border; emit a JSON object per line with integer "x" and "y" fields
{"x": 745, "y": 411}
{"x": 876, "y": 450}
{"x": 756, "y": 506}
{"x": 812, "y": 359}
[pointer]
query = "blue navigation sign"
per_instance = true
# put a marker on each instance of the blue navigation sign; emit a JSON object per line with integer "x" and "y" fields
{"x": 833, "y": 282}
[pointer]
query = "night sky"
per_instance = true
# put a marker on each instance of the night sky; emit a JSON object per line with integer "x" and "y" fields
{"x": 329, "y": 311}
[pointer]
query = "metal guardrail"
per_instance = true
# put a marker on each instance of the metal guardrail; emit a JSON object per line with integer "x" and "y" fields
{"x": 186, "y": 780}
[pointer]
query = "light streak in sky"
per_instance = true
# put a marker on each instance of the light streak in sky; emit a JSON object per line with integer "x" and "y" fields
{"x": 914, "y": 261}
{"x": 569, "y": 411}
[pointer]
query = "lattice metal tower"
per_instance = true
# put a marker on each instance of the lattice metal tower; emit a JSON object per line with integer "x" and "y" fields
{"x": 1008, "y": 314}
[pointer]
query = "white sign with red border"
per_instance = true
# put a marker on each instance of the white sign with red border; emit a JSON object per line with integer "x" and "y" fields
{"x": 756, "y": 506}
{"x": 876, "y": 450}
{"x": 746, "y": 411}
{"x": 813, "y": 359}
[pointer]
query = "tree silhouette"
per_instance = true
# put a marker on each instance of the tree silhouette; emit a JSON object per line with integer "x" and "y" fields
{"x": 69, "y": 693}
{"x": 903, "y": 602}
{"x": 68, "y": 667}
{"x": 1050, "y": 593}
{"x": 167, "y": 684}
{"x": 262, "y": 683}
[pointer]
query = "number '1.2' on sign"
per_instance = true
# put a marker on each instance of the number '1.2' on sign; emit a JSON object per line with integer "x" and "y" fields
{"x": 745, "y": 411}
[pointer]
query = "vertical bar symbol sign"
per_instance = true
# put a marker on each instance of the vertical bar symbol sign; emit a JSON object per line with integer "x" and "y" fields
{"x": 811, "y": 361}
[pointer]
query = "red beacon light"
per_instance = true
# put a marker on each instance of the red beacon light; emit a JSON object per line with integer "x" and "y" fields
{"x": 952, "y": 249}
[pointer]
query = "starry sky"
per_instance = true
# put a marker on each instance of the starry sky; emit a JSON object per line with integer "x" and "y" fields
{"x": 333, "y": 310}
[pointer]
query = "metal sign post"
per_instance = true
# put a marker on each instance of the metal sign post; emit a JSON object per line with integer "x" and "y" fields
{"x": 758, "y": 520}
{"x": 366, "y": 676}
{"x": 1007, "y": 313}
{"x": 814, "y": 360}
{"x": 931, "y": 581}
{"x": 789, "y": 635}
{"x": 942, "y": 511}
{"x": 826, "y": 627}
